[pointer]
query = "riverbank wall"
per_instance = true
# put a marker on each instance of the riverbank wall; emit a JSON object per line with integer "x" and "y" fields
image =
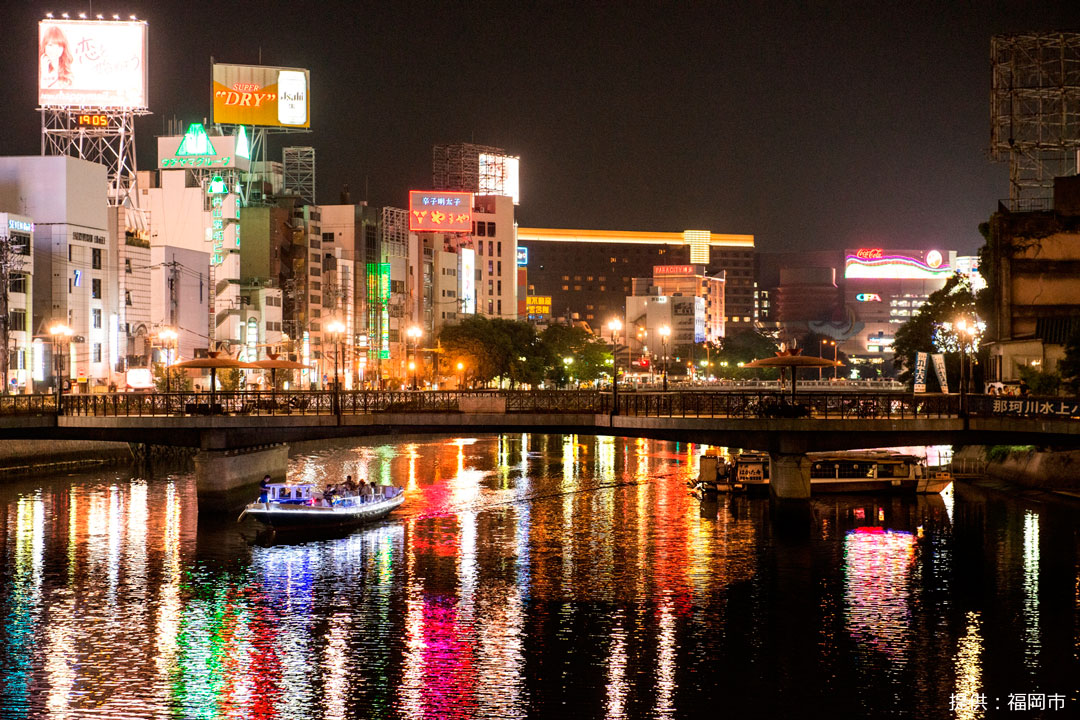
{"x": 1029, "y": 467}
{"x": 30, "y": 457}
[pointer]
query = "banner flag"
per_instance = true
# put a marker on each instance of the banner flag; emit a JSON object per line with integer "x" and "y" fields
{"x": 920, "y": 372}
{"x": 939, "y": 370}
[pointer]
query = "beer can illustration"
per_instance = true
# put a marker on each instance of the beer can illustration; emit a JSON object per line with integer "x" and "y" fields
{"x": 292, "y": 97}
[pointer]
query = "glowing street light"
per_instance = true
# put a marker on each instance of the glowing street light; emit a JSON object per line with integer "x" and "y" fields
{"x": 59, "y": 332}
{"x": 167, "y": 336}
{"x": 461, "y": 375}
{"x": 614, "y": 326}
{"x": 414, "y": 332}
{"x": 336, "y": 328}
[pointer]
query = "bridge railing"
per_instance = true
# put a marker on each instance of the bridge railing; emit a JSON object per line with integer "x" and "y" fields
{"x": 677, "y": 403}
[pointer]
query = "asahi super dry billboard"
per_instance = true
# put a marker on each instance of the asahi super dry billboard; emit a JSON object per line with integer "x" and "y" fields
{"x": 260, "y": 95}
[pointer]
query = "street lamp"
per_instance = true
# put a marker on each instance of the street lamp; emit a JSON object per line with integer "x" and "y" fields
{"x": 615, "y": 326}
{"x": 461, "y": 376}
{"x": 168, "y": 337}
{"x": 336, "y": 328}
{"x": 966, "y": 333}
{"x": 665, "y": 333}
{"x": 821, "y": 354}
{"x": 568, "y": 361}
{"x": 59, "y": 331}
{"x": 414, "y": 332}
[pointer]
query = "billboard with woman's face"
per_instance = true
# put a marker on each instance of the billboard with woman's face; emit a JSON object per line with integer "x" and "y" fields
{"x": 92, "y": 63}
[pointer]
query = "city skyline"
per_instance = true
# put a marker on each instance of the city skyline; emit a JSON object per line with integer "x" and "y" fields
{"x": 830, "y": 127}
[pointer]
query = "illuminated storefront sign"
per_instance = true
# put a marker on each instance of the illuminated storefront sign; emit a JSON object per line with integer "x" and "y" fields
{"x": 467, "y": 273}
{"x": 522, "y": 256}
{"x": 91, "y": 64}
{"x": 20, "y": 225}
{"x": 378, "y": 287}
{"x": 868, "y": 297}
{"x": 868, "y": 253}
{"x": 262, "y": 96}
{"x": 431, "y": 211}
{"x": 538, "y": 304}
{"x": 933, "y": 259}
{"x": 673, "y": 270}
{"x": 197, "y": 149}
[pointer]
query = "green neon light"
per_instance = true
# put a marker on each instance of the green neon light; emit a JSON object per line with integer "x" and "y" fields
{"x": 243, "y": 147}
{"x": 217, "y": 187}
{"x": 195, "y": 142}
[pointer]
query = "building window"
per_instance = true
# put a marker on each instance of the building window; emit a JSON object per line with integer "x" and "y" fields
{"x": 491, "y": 233}
{"x": 96, "y": 357}
{"x": 17, "y": 283}
{"x": 95, "y": 258}
{"x": 127, "y": 298}
{"x": 491, "y": 267}
{"x": 17, "y": 320}
{"x": 565, "y": 287}
{"x": 95, "y": 288}
{"x": 498, "y": 286}
{"x": 95, "y": 317}
{"x": 500, "y": 307}
{"x": 498, "y": 247}
{"x": 491, "y": 246}
{"x": 127, "y": 265}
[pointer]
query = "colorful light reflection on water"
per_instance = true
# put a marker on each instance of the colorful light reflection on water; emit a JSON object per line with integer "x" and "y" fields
{"x": 528, "y": 576}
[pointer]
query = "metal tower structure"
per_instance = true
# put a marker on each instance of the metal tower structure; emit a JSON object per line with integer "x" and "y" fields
{"x": 1035, "y": 111}
{"x": 101, "y": 135}
{"x": 298, "y": 164}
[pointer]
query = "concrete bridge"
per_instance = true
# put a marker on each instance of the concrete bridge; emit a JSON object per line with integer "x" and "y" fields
{"x": 241, "y": 436}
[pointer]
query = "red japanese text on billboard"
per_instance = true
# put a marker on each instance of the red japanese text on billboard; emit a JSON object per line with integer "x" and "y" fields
{"x": 431, "y": 211}
{"x": 92, "y": 63}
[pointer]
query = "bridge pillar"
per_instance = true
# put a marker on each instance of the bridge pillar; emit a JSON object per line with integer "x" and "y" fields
{"x": 228, "y": 479}
{"x": 789, "y": 476}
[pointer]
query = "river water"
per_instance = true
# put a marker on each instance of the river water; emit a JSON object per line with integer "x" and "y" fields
{"x": 535, "y": 576}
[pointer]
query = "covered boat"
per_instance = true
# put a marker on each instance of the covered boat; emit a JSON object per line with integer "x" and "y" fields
{"x": 306, "y": 507}
{"x": 853, "y": 471}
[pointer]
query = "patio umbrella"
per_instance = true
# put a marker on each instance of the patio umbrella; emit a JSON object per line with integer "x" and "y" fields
{"x": 214, "y": 362}
{"x": 792, "y": 359}
{"x": 273, "y": 364}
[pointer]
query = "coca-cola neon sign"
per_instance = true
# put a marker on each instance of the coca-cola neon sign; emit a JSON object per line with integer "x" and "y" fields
{"x": 868, "y": 253}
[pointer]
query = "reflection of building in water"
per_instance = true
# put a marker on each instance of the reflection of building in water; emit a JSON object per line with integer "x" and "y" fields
{"x": 877, "y": 574}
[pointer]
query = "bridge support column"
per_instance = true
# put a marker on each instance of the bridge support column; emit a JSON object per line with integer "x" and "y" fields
{"x": 228, "y": 479}
{"x": 789, "y": 491}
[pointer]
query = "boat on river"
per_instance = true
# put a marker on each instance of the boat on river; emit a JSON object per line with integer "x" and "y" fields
{"x": 855, "y": 471}
{"x": 286, "y": 506}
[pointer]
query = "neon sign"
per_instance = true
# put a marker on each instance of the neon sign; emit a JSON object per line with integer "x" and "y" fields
{"x": 195, "y": 149}
{"x": 20, "y": 225}
{"x": 869, "y": 253}
{"x": 933, "y": 259}
{"x": 673, "y": 270}
{"x": 440, "y": 211}
{"x": 868, "y": 297}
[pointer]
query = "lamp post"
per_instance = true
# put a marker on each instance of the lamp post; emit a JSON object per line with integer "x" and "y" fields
{"x": 567, "y": 362}
{"x": 59, "y": 331}
{"x": 665, "y": 333}
{"x": 168, "y": 337}
{"x": 461, "y": 376}
{"x": 821, "y": 354}
{"x": 615, "y": 326}
{"x": 335, "y": 328}
{"x": 966, "y": 334}
{"x": 414, "y": 334}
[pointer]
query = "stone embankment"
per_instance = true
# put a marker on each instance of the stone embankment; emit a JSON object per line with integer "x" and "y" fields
{"x": 1030, "y": 467}
{"x": 25, "y": 457}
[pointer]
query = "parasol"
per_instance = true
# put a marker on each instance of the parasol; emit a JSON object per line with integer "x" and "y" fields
{"x": 792, "y": 359}
{"x": 213, "y": 362}
{"x": 273, "y": 364}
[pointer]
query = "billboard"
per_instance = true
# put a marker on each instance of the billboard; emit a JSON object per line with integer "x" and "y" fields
{"x": 198, "y": 149}
{"x": 440, "y": 211}
{"x": 92, "y": 63}
{"x": 499, "y": 176}
{"x": 880, "y": 264}
{"x": 261, "y": 95}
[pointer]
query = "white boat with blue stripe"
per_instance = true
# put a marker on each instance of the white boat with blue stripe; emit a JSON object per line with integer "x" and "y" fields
{"x": 307, "y": 507}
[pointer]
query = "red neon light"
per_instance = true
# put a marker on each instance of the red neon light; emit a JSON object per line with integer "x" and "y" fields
{"x": 438, "y": 211}
{"x": 869, "y": 253}
{"x": 673, "y": 269}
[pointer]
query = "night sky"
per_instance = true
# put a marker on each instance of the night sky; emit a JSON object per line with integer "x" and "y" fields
{"x": 809, "y": 125}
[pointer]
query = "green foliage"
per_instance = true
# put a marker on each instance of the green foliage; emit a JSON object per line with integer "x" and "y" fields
{"x": 1000, "y": 453}
{"x": 1040, "y": 382}
{"x": 591, "y": 355}
{"x": 495, "y": 348}
{"x": 917, "y": 334}
{"x": 743, "y": 346}
{"x": 230, "y": 378}
{"x": 178, "y": 380}
{"x": 1069, "y": 366}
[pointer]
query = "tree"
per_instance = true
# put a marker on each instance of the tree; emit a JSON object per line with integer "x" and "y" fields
{"x": 495, "y": 348}
{"x": 591, "y": 356}
{"x": 1069, "y": 366}
{"x": 744, "y": 346}
{"x": 922, "y": 333}
{"x": 178, "y": 380}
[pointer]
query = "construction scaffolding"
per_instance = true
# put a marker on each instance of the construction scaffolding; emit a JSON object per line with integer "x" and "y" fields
{"x": 1035, "y": 111}
{"x": 457, "y": 167}
{"x": 299, "y": 167}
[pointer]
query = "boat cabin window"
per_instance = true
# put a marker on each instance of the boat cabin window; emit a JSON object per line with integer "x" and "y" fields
{"x": 861, "y": 469}
{"x": 893, "y": 470}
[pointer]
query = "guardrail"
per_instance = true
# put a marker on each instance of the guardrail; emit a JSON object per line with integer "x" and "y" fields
{"x": 675, "y": 403}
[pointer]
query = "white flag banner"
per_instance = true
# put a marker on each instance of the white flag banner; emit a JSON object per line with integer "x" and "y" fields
{"x": 920, "y": 372}
{"x": 939, "y": 370}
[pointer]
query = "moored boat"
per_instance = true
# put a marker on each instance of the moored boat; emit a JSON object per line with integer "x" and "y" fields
{"x": 306, "y": 507}
{"x": 855, "y": 471}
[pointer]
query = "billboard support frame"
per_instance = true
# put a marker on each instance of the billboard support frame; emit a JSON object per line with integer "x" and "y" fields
{"x": 111, "y": 144}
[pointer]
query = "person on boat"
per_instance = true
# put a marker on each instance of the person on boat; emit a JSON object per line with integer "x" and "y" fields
{"x": 264, "y": 488}
{"x": 361, "y": 489}
{"x": 350, "y": 486}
